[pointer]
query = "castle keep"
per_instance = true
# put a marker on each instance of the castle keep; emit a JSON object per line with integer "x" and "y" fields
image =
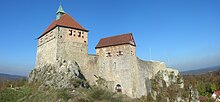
{"x": 115, "y": 59}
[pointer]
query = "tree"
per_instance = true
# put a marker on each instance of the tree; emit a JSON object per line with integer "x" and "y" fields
{"x": 213, "y": 87}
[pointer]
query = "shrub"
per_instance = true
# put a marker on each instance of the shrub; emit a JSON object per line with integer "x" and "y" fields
{"x": 101, "y": 94}
{"x": 76, "y": 82}
{"x": 63, "y": 94}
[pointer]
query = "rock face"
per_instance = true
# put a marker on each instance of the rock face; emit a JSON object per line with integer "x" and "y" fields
{"x": 169, "y": 85}
{"x": 65, "y": 74}
{"x": 160, "y": 83}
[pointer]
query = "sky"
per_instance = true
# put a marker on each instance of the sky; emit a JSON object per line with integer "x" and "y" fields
{"x": 184, "y": 34}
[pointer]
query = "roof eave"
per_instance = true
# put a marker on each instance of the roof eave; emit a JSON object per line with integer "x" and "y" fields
{"x": 46, "y": 32}
{"x": 61, "y": 26}
{"x": 115, "y": 45}
{"x": 73, "y": 28}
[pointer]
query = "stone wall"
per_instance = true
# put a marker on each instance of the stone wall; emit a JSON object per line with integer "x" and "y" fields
{"x": 146, "y": 71}
{"x": 118, "y": 68}
{"x": 65, "y": 43}
{"x": 91, "y": 69}
{"x": 116, "y": 51}
{"x": 47, "y": 48}
{"x": 72, "y": 47}
{"x": 116, "y": 64}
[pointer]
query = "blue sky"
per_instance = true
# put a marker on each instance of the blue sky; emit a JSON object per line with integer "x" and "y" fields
{"x": 183, "y": 33}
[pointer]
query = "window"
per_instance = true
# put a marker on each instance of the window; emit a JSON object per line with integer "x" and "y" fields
{"x": 41, "y": 40}
{"x": 79, "y": 34}
{"x": 51, "y": 34}
{"x": 82, "y": 34}
{"x": 74, "y": 33}
{"x": 118, "y": 88}
{"x": 46, "y": 37}
{"x": 119, "y": 53}
{"x": 70, "y": 32}
{"x": 108, "y": 54}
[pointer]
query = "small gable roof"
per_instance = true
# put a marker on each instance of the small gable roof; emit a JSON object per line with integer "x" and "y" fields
{"x": 217, "y": 92}
{"x": 116, "y": 40}
{"x": 65, "y": 21}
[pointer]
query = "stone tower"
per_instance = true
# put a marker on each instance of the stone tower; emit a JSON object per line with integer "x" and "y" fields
{"x": 64, "y": 39}
{"x": 115, "y": 59}
{"x": 117, "y": 62}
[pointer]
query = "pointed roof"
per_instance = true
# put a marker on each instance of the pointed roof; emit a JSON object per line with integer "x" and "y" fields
{"x": 116, "y": 40}
{"x": 60, "y": 9}
{"x": 217, "y": 92}
{"x": 65, "y": 21}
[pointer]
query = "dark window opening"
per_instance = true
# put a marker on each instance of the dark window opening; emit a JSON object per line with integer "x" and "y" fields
{"x": 79, "y": 34}
{"x": 84, "y": 41}
{"x": 46, "y": 37}
{"x": 41, "y": 40}
{"x": 74, "y": 33}
{"x": 71, "y": 32}
{"x": 108, "y": 54}
{"x": 118, "y": 88}
{"x": 51, "y": 33}
{"x": 82, "y": 34}
{"x": 119, "y": 53}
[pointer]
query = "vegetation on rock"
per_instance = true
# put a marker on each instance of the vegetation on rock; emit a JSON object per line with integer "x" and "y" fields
{"x": 206, "y": 84}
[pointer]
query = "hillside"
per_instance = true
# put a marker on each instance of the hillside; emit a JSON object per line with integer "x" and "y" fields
{"x": 206, "y": 83}
{"x": 4, "y": 76}
{"x": 7, "y": 80}
{"x": 200, "y": 71}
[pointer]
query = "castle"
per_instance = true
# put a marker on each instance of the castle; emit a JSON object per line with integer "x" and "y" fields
{"x": 115, "y": 59}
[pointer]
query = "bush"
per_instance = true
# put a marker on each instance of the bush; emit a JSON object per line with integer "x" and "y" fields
{"x": 63, "y": 94}
{"x": 101, "y": 94}
{"x": 76, "y": 82}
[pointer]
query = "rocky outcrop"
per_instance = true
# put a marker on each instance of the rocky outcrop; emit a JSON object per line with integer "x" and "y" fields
{"x": 65, "y": 74}
{"x": 168, "y": 86}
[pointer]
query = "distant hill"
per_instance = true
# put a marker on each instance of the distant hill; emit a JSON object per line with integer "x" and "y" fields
{"x": 201, "y": 71}
{"x": 10, "y": 77}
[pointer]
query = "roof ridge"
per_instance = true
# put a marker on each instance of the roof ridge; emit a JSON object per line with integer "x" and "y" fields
{"x": 126, "y": 38}
{"x": 66, "y": 21}
{"x": 118, "y": 35}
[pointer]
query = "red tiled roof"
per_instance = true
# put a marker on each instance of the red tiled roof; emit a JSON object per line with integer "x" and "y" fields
{"x": 116, "y": 40}
{"x": 65, "y": 21}
{"x": 217, "y": 93}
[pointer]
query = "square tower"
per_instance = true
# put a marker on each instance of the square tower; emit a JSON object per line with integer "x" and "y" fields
{"x": 117, "y": 63}
{"x": 63, "y": 39}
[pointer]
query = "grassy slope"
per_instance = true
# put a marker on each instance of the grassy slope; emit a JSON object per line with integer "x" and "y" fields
{"x": 29, "y": 93}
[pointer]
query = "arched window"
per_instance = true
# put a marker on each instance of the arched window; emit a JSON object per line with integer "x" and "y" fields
{"x": 118, "y": 88}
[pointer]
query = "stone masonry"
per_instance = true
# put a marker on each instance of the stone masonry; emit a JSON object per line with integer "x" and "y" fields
{"x": 115, "y": 59}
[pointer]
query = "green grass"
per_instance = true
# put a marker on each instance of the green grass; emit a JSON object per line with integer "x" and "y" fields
{"x": 12, "y": 95}
{"x": 30, "y": 93}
